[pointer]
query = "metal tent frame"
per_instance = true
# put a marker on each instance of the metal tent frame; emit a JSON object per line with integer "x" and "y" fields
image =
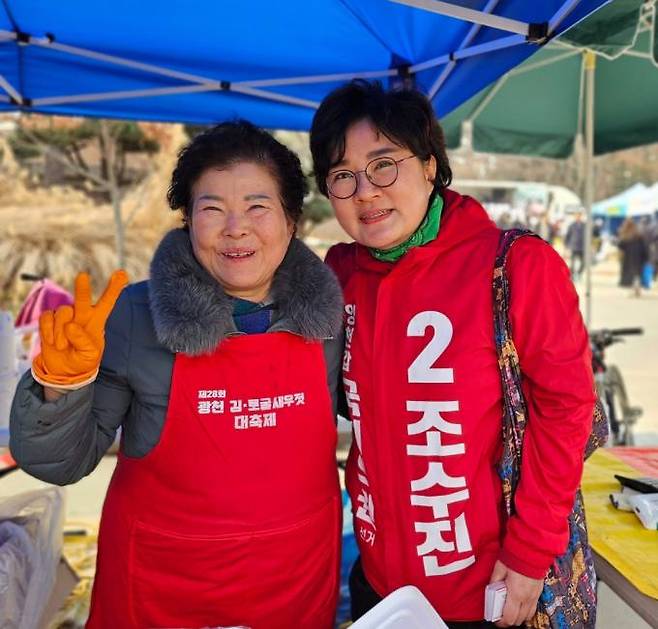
{"x": 515, "y": 33}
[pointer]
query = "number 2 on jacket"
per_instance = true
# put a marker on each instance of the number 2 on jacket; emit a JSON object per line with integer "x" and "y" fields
{"x": 421, "y": 369}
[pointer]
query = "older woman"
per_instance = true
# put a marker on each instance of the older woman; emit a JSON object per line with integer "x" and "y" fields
{"x": 421, "y": 371}
{"x": 224, "y": 508}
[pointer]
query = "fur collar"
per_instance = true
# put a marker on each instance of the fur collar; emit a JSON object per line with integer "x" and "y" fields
{"x": 192, "y": 314}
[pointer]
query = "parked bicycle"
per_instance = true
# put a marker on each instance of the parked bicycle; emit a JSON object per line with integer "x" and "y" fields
{"x": 611, "y": 388}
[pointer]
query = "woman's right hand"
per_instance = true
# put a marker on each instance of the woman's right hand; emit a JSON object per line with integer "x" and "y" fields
{"x": 73, "y": 337}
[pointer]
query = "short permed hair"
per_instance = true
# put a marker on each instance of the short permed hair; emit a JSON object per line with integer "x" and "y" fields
{"x": 404, "y": 116}
{"x": 230, "y": 143}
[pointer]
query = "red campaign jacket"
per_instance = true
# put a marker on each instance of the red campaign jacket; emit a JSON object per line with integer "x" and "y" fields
{"x": 424, "y": 393}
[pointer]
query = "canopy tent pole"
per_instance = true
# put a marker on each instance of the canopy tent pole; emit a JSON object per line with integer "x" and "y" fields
{"x": 10, "y": 89}
{"x": 100, "y": 96}
{"x": 489, "y": 97}
{"x": 280, "y": 98}
{"x": 320, "y": 78}
{"x": 168, "y": 91}
{"x": 562, "y": 14}
{"x": 85, "y": 53}
{"x": 590, "y": 68}
{"x": 529, "y": 67}
{"x": 473, "y": 31}
{"x": 471, "y": 51}
{"x": 639, "y": 55}
{"x": 470, "y": 15}
{"x": 464, "y": 53}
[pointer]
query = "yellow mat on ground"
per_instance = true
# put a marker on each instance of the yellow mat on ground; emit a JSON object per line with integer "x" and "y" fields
{"x": 80, "y": 541}
{"x": 618, "y": 536}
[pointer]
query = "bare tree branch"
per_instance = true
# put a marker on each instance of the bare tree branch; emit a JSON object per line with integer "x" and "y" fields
{"x": 78, "y": 156}
{"x": 61, "y": 157}
{"x": 141, "y": 199}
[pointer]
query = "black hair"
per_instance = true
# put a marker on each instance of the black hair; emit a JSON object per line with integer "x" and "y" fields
{"x": 404, "y": 116}
{"x": 229, "y": 143}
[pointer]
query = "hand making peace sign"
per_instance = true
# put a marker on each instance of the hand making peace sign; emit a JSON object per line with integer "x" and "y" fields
{"x": 73, "y": 337}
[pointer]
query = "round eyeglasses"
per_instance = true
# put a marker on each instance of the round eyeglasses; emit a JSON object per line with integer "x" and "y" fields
{"x": 381, "y": 172}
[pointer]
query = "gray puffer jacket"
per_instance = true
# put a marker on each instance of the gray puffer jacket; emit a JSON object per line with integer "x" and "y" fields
{"x": 180, "y": 309}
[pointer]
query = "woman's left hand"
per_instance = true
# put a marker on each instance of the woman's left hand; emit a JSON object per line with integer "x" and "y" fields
{"x": 522, "y": 595}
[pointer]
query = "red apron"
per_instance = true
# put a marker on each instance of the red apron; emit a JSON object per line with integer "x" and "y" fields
{"x": 234, "y": 517}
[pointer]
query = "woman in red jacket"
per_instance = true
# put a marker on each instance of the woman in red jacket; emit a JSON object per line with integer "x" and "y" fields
{"x": 421, "y": 375}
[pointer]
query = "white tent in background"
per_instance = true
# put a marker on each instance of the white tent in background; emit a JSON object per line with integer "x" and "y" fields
{"x": 645, "y": 203}
{"x": 638, "y": 200}
{"x": 617, "y": 205}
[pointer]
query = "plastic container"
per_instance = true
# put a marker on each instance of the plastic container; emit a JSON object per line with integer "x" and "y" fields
{"x": 8, "y": 373}
{"x": 8, "y": 384}
{"x": 645, "y": 507}
{"x": 30, "y": 550}
{"x": 7, "y": 344}
{"x": 405, "y": 608}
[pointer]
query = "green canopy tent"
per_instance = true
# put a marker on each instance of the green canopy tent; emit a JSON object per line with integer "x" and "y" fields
{"x": 596, "y": 86}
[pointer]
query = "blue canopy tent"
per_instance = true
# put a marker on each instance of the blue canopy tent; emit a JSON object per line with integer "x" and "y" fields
{"x": 270, "y": 62}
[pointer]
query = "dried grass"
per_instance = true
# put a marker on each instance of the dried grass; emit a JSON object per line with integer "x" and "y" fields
{"x": 58, "y": 232}
{"x": 59, "y": 247}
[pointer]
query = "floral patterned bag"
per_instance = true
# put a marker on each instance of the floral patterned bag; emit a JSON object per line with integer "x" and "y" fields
{"x": 568, "y": 599}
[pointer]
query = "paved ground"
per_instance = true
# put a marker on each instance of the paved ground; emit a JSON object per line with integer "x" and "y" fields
{"x": 637, "y": 357}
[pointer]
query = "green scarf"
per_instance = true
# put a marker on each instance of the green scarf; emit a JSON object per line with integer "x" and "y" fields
{"x": 426, "y": 232}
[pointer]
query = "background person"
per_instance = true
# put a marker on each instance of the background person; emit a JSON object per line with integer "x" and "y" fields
{"x": 421, "y": 374}
{"x": 649, "y": 231}
{"x": 224, "y": 508}
{"x": 574, "y": 241}
{"x": 634, "y": 255}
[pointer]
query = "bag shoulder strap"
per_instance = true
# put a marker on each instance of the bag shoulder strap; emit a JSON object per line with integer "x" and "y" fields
{"x": 502, "y": 326}
{"x": 508, "y": 361}
{"x": 515, "y": 410}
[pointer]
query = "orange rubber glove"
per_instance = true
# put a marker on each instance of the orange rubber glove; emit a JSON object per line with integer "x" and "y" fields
{"x": 73, "y": 337}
